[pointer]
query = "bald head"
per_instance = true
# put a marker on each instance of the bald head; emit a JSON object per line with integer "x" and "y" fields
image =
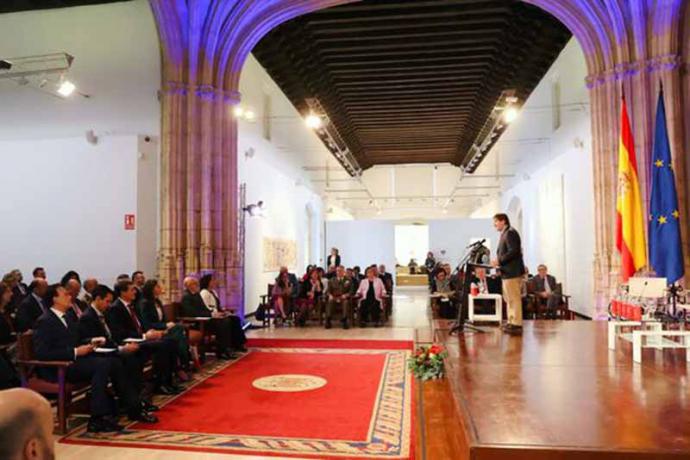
{"x": 191, "y": 284}
{"x": 73, "y": 288}
{"x": 26, "y": 426}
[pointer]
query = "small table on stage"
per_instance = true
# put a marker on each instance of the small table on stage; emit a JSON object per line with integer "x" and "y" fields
{"x": 498, "y": 308}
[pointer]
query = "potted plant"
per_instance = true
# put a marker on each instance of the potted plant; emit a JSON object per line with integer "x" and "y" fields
{"x": 427, "y": 363}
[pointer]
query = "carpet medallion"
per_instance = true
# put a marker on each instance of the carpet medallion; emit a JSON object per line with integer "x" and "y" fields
{"x": 278, "y": 399}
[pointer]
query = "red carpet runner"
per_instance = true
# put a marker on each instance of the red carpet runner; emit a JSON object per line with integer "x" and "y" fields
{"x": 303, "y": 398}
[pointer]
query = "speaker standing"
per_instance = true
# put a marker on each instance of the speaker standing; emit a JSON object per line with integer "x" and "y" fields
{"x": 511, "y": 267}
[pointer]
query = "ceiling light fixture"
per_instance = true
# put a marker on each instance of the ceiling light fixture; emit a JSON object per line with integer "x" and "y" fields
{"x": 313, "y": 121}
{"x": 510, "y": 114}
{"x": 66, "y": 88}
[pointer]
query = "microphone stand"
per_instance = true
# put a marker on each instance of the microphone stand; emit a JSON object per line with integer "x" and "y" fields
{"x": 460, "y": 325}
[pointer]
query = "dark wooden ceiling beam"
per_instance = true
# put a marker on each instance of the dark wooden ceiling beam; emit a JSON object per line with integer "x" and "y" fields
{"x": 408, "y": 81}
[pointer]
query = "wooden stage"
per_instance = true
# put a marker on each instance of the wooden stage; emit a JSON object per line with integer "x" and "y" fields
{"x": 557, "y": 392}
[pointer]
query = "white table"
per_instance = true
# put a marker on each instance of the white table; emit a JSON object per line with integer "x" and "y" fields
{"x": 649, "y": 334}
{"x": 498, "y": 307}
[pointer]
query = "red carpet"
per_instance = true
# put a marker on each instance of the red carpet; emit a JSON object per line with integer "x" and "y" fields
{"x": 349, "y": 400}
{"x": 342, "y": 344}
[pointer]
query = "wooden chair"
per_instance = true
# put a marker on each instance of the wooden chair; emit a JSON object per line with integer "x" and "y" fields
{"x": 194, "y": 337}
{"x": 199, "y": 334}
{"x": 267, "y": 304}
{"x": 66, "y": 392}
{"x": 536, "y": 305}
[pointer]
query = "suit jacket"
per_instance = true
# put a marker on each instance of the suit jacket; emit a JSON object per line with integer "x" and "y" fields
{"x": 538, "y": 284}
{"x": 387, "y": 279}
{"x": 193, "y": 305}
{"x": 90, "y": 326}
{"x": 52, "y": 340}
{"x": 120, "y": 322}
{"x": 5, "y": 330}
{"x": 148, "y": 315}
{"x": 338, "y": 287}
{"x": 330, "y": 258}
{"x": 28, "y": 312}
{"x": 509, "y": 253}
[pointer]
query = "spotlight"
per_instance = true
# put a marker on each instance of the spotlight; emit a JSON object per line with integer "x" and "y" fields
{"x": 249, "y": 115}
{"x": 5, "y": 65}
{"x": 510, "y": 114}
{"x": 66, "y": 88}
{"x": 238, "y": 111}
{"x": 256, "y": 210}
{"x": 313, "y": 121}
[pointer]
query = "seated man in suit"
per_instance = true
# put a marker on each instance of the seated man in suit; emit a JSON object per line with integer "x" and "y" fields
{"x": 56, "y": 338}
{"x": 486, "y": 285}
{"x": 193, "y": 306}
{"x": 73, "y": 287}
{"x": 124, "y": 325}
{"x": 338, "y": 293}
{"x": 32, "y": 306}
{"x": 92, "y": 324}
{"x": 387, "y": 278}
{"x": 545, "y": 287}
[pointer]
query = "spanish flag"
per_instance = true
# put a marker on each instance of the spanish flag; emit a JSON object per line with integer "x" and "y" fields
{"x": 630, "y": 222}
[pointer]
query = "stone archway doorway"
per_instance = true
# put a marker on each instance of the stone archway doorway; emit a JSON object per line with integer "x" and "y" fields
{"x": 205, "y": 45}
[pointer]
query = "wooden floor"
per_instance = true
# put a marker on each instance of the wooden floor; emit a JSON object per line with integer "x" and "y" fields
{"x": 557, "y": 392}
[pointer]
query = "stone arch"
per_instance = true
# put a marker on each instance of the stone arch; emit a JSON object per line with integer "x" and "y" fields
{"x": 205, "y": 44}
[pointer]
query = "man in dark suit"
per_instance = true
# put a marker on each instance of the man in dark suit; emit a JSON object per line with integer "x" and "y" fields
{"x": 56, "y": 338}
{"x": 546, "y": 289}
{"x": 33, "y": 306}
{"x": 92, "y": 324}
{"x": 73, "y": 288}
{"x": 387, "y": 278}
{"x": 193, "y": 306}
{"x": 512, "y": 269}
{"x": 138, "y": 279}
{"x": 124, "y": 325}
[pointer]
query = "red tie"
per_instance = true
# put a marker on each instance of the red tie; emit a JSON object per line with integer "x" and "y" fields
{"x": 135, "y": 319}
{"x": 77, "y": 311}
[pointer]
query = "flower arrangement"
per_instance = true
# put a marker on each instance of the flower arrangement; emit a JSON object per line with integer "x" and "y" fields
{"x": 427, "y": 362}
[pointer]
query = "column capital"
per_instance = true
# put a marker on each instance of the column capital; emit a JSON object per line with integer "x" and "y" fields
{"x": 662, "y": 63}
{"x": 205, "y": 92}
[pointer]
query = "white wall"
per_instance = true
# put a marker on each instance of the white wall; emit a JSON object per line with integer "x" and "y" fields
{"x": 65, "y": 198}
{"x": 411, "y": 242}
{"x": 449, "y": 238}
{"x": 274, "y": 175}
{"x": 363, "y": 242}
{"x": 65, "y": 206}
{"x": 553, "y": 187}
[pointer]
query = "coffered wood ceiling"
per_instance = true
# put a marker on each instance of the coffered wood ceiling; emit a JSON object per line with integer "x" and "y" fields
{"x": 412, "y": 81}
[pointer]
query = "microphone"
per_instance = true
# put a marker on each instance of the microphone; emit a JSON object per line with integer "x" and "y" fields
{"x": 477, "y": 243}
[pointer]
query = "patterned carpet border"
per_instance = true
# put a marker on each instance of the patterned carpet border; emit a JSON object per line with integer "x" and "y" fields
{"x": 390, "y": 433}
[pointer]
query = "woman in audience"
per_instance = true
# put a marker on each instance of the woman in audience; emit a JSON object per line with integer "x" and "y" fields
{"x": 310, "y": 296}
{"x": 70, "y": 275}
{"x": 209, "y": 295}
{"x": 281, "y": 295}
{"x": 371, "y": 292}
{"x": 334, "y": 258}
{"x": 152, "y": 316}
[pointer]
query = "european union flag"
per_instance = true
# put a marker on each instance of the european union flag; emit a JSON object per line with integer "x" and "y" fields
{"x": 665, "y": 250}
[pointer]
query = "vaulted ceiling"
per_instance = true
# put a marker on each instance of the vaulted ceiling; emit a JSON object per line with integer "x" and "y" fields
{"x": 411, "y": 81}
{"x": 11, "y": 6}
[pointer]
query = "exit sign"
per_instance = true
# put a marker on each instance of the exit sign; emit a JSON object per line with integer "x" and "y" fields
{"x": 129, "y": 222}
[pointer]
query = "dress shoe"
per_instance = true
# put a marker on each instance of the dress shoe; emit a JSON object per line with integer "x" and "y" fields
{"x": 143, "y": 417}
{"x": 148, "y": 407}
{"x": 168, "y": 390}
{"x": 102, "y": 425}
{"x": 225, "y": 356}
